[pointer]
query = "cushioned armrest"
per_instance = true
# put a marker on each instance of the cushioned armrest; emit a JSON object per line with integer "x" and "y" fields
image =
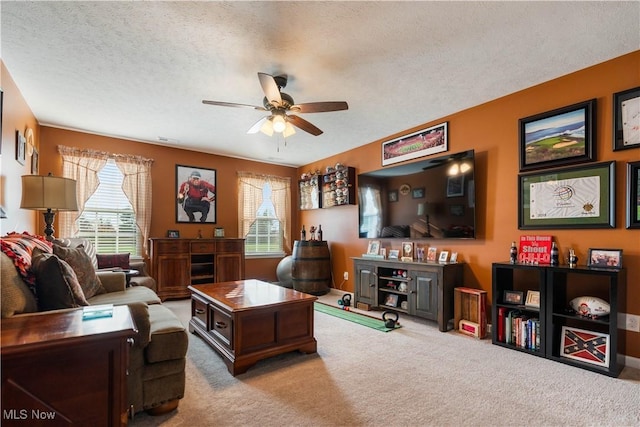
{"x": 141, "y": 266}
{"x": 112, "y": 281}
{"x": 140, "y": 315}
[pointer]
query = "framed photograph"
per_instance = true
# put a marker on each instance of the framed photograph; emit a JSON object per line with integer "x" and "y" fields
{"x": 576, "y": 197}
{"x": 383, "y": 252}
{"x": 456, "y": 210}
{"x": 35, "y": 162}
{"x": 391, "y": 300}
{"x": 633, "y": 195}
{"x": 454, "y": 257}
{"x": 513, "y": 297}
{"x": 585, "y": 346}
{"x": 394, "y": 253}
{"x": 533, "y": 299}
{"x": 407, "y": 250}
{"x": 431, "y": 254}
{"x": 560, "y": 137}
{"x": 374, "y": 247}
{"x": 393, "y": 195}
{"x": 455, "y": 186}
{"x": 174, "y": 234}
{"x": 607, "y": 258}
{"x": 626, "y": 119}
{"x": 21, "y": 148}
{"x": 418, "y": 144}
{"x": 195, "y": 194}
{"x": 444, "y": 256}
{"x": 417, "y": 193}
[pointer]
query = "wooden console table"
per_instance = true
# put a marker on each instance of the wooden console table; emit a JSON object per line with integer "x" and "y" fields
{"x": 249, "y": 320}
{"x": 60, "y": 370}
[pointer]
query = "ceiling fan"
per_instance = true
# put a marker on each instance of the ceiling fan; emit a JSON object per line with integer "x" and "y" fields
{"x": 279, "y": 104}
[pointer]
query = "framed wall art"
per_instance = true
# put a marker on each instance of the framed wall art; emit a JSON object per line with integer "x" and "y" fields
{"x": 418, "y": 144}
{"x": 417, "y": 193}
{"x": 607, "y": 258}
{"x": 393, "y": 195}
{"x": 35, "y": 162}
{"x": 633, "y": 195}
{"x": 626, "y": 119}
{"x": 21, "y": 148}
{"x": 575, "y": 197}
{"x": 195, "y": 194}
{"x": 560, "y": 137}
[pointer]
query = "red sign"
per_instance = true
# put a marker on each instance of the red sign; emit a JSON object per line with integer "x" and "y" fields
{"x": 535, "y": 249}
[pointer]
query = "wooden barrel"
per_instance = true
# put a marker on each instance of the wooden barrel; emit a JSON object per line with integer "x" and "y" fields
{"x": 311, "y": 267}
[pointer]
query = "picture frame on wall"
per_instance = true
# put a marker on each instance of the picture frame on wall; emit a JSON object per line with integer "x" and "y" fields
{"x": 35, "y": 162}
{"x": 626, "y": 117}
{"x": 195, "y": 194}
{"x": 21, "y": 148}
{"x": 574, "y": 197}
{"x": 418, "y": 144}
{"x": 393, "y": 195}
{"x": 560, "y": 137}
{"x": 633, "y": 194}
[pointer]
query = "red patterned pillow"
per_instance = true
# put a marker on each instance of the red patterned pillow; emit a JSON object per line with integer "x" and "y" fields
{"x": 19, "y": 246}
{"x": 113, "y": 261}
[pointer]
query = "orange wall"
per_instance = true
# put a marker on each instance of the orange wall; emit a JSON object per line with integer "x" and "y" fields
{"x": 492, "y": 130}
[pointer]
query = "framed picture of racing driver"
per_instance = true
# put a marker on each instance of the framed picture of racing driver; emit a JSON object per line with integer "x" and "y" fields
{"x": 195, "y": 194}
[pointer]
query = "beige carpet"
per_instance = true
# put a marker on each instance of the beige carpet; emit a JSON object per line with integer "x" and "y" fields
{"x": 413, "y": 376}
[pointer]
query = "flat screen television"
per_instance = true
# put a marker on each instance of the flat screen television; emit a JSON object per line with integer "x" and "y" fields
{"x": 429, "y": 199}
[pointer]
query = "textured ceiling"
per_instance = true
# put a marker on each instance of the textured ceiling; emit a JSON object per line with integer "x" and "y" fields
{"x": 139, "y": 70}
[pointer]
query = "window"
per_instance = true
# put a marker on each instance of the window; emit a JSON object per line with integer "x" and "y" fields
{"x": 108, "y": 219}
{"x": 264, "y": 213}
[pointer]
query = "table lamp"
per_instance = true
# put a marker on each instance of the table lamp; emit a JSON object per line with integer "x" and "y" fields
{"x": 48, "y": 194}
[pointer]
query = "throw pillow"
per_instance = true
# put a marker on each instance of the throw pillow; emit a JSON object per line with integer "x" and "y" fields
{"x": 113, "y": 261}
{"x": 57, "y": 285}
{"x": 82, "y": 266}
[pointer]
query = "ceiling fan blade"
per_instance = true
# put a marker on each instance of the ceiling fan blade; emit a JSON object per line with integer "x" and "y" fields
{"x": 233, "y": 104}
{"x": 320, "y": 107}
{"x": 304, "y": 125}
{"x": 258, "y": 125}
{"x": 270, "y": 89}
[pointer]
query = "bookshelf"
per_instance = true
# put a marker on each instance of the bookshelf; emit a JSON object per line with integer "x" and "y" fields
{"x": 550, "y": 329}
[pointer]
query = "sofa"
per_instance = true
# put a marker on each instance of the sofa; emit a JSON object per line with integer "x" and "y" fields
{"x": 29, "y": 274}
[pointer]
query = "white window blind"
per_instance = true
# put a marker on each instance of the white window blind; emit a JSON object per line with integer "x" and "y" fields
{"x": 108, "y": 219}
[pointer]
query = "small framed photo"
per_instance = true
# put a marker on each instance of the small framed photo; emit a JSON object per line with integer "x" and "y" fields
{"x": 454, "y": 257}
{"x": 393, "y": 195}
{"x": 533, "y": 299}
{"x": 374, "y": 247}
{"x": 383, "y": 252}
{"x": 173, "y": 234}
{"x": 607, "y": 258}
{"x": 513, "y": 297}
{"x": 394, "y": 253}
{"x": 431, "y": 254}
{"x": 417, "y": 193}
{"x": 21, "y": 148}
{"x": 391, "y": 300}
{"x": 444, "y": 256}
{"x": 407, "y": 250}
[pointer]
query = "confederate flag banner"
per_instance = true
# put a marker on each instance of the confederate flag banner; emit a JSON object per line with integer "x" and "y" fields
{"x": 585, "y": 346}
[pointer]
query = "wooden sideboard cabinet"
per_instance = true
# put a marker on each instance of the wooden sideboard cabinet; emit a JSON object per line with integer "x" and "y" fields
{"x": 179, "y": 263}
{"x": 416, "y": 288}
{"x": 58, "y": 369}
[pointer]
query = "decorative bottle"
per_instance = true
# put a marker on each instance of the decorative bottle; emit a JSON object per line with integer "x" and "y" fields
{"x": 513, "y": 253}
{"x": 303, "y": 234}
{"x": 554, "y": 254}
{"x": 320, "y": 232}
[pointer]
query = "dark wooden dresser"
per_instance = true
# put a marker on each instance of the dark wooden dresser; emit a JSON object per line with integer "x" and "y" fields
{"x": 58, "y": 369}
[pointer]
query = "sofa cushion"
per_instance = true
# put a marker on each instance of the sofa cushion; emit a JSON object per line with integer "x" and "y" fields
{"x": 113, "y": 261}
{"x": 15, "y": 295}
{"x": 74, "y": 242}
{"x": 81, "y": 264}
{"x": 169, "y": 340}
{"x": 127, "y": 296}
{"x": 56, "y": 283}
{"x": 18, "y": 247}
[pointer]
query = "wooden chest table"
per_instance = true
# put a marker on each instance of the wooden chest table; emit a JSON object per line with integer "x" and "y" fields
{"x": 58, "y": 369}
{"x": 249, "y": 320}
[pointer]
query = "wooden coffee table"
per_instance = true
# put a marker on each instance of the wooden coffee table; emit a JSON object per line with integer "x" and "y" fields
{"x": 249, "y": 320}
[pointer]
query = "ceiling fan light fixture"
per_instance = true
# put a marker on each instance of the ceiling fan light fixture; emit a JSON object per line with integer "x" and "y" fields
{"x": 279, "y": 125}
{"x": 288, "y": 130}
{"x": 267, "y": 127}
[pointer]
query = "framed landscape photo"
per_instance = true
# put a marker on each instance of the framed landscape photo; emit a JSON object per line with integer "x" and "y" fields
{"x": 195, "y": 194}
{"x": 560, "y": 137}
{"x": 626, "y": 119}
{"x": 418, "y": 144}
{"x": 606, "y": 258}
{"x": 633, "y": 194}
{"x": 575, "y": 197}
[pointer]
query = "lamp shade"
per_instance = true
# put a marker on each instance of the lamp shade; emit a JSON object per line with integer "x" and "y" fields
{"x": 48, "y": 192}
